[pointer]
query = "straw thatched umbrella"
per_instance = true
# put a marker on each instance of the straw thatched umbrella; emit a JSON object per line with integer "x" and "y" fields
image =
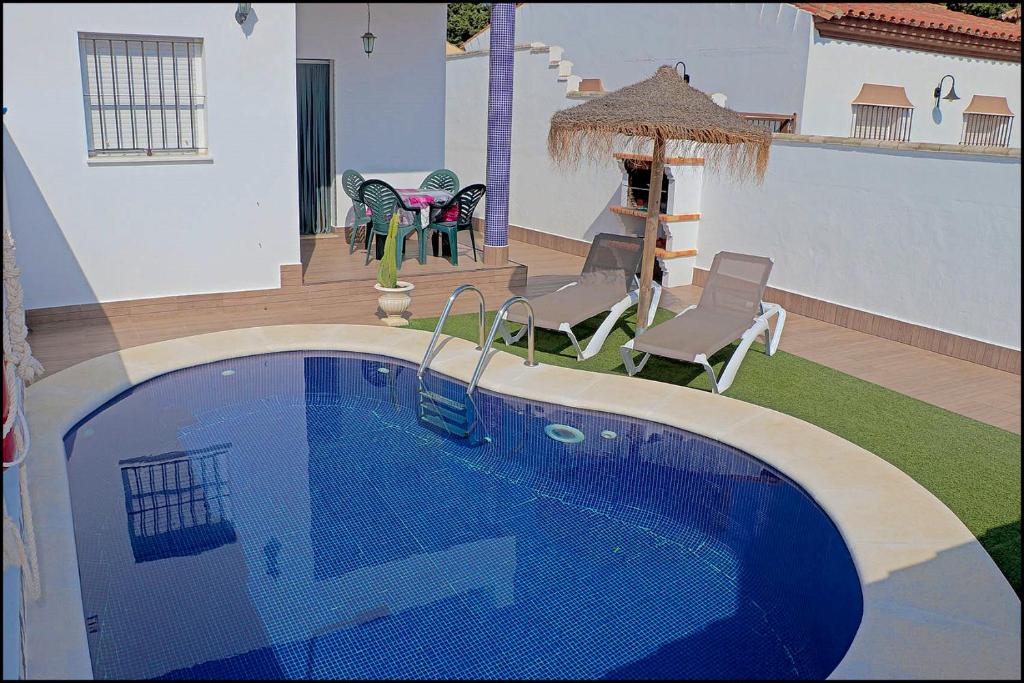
{"x": 662, "y": 108}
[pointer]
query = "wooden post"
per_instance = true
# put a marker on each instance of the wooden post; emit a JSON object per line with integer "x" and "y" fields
{"x": 651, "y": 232}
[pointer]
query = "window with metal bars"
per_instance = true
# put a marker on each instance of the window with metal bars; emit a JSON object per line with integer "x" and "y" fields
{"x": 143, "y": 94}
{"x": 986, "y": 129}
{"x": 877, "y": 122}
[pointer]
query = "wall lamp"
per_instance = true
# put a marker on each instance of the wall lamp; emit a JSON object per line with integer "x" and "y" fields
{"x": 368, "y": 37}
{"x": 242, "y": 13}
{"x": 951, "y": 96}
{"x": 686, "y": 76}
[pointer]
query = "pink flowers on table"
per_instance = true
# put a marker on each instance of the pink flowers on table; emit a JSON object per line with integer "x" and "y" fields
{"x": 418, "y": 200}
{"x": 421, "y": 199}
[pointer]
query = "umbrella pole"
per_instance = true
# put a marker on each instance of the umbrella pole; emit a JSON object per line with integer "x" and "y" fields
{"x": 651, "y": 233}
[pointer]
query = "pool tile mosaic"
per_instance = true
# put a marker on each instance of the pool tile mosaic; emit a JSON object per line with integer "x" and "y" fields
{"x": 293, "y": 519}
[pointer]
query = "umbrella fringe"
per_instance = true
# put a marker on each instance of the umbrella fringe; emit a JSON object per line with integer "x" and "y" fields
{"x": 664, "y": 106}
{"x": 741, "y": 155}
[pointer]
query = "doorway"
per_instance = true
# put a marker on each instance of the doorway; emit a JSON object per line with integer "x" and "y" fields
{"x": 315, "y": 146}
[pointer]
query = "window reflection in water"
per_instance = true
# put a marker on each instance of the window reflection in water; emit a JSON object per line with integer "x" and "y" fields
{"x": 177, "y": 503}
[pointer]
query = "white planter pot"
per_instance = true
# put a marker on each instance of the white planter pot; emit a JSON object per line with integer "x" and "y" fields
{"x": 394, "y": 302}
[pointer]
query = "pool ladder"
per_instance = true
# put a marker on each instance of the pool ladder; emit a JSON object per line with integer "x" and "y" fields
{"x": 458, "y": 418}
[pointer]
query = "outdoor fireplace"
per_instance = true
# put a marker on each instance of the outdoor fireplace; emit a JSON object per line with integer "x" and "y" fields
{"x": 679, "y": 210}
{"x": 637, "y": 185}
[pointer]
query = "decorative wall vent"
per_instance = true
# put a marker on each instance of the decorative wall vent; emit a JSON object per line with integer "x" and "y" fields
{"x": 987, "y": 121}
{"x": 882, "y": 112}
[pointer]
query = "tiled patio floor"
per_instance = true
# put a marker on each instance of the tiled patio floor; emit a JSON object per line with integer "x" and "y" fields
{"x": 980, "y": 392}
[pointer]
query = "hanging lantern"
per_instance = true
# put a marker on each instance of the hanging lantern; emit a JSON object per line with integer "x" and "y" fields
{"x": 368, "y": 37}
{"x": 242, "y": 13}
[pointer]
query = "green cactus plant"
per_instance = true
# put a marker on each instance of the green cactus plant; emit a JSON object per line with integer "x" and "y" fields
{"x": 387, "y": 274}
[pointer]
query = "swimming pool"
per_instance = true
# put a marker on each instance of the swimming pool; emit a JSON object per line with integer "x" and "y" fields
{"x": 286, "y": 515}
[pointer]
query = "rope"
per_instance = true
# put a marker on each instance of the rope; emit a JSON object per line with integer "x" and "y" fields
{"x": 19, "y": 368}
{"x": 16, "y": 347}
{"x": 19, "y": 550}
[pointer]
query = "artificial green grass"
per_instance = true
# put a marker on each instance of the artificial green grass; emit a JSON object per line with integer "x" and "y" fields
{"x": 972, "y": 467}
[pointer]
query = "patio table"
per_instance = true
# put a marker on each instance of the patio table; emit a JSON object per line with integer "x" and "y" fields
{"x": 418, "y": 200}
{"x": 424, "y": 200}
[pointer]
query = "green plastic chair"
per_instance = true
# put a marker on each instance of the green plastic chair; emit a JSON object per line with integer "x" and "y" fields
{"x": 441, "y": 179}
{"x": 384, "y": 201}
{"x": 466, "y": 199}
{"x": 350, "y": 182}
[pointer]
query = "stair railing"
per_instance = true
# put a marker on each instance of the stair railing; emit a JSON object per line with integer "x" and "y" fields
{"x": 485, "y": 346}
{"x": 444, "y": 316}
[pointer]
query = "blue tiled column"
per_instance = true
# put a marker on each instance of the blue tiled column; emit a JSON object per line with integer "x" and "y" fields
{"x": 499, "y": 130}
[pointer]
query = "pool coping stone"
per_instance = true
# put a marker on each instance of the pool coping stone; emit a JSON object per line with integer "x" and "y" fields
{"x": 935, "y": 604}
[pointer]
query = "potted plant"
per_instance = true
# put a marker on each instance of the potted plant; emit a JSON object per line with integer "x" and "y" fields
{"x": 394, "y": 299}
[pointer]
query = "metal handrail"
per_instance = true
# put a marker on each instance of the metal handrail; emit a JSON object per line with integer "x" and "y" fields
{"x": 486, "y": 346}
{"x": 444, "y": 316}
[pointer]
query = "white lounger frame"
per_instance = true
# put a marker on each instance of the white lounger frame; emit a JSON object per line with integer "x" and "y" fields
{"x": 597, "y": 341}
{"x": 719, "y": 385}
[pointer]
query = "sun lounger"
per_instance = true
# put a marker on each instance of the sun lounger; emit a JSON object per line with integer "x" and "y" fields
{"x": 607, "y": 284}
{"x": 730, "y": 308}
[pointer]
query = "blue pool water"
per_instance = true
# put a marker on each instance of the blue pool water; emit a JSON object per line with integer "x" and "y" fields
{"x": 286, "y": 516}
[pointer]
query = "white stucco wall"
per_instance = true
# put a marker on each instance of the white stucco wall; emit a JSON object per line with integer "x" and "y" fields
{"x": 836, "y": 70}
{"x": 928, "y": 238}
{"x": 572, "y": 203}
{"x": 389, "y": 108}
{"x": 766, "y": 57}
{"x": 756, "y": 53}
{"x": 89, "y": 233}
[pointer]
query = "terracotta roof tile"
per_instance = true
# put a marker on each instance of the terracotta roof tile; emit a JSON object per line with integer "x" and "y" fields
{"x": 918, "y": 14}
